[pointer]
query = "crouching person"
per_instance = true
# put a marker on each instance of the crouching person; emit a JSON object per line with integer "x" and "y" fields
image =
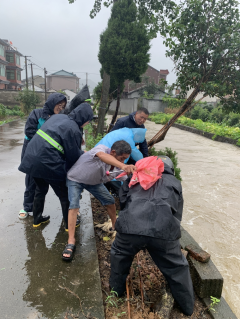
{"x": 151, "y": 219}
{"x": 97, "y": 166}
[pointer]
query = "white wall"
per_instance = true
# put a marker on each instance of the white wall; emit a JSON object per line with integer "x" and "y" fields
{"x": 207, "y": 99}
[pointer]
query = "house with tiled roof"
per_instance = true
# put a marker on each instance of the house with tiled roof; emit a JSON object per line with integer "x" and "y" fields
{"x": 63, "y": 80}
{"x": 153, "y": 75}
{"x": 10, "y": 66}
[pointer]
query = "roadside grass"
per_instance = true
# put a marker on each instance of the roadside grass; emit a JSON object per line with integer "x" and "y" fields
{"x": 216, "y": 129}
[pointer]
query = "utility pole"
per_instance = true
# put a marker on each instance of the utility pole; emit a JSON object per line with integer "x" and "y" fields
{"x": 32, "y": 77}
{"x": 26, "y": 70}
{"x": 45, "y": 72}
{"x": 87, "y": 78}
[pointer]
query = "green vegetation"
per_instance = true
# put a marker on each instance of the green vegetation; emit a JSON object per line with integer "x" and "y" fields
{"x": 111, "y": 299}
{"x": 173, "y": 102}
{"x": 91, "y": 140}
{"x": 171, "y": 154}
{"x": 29, "y": 100}
{"x": 214, "y": 128}
{"x": 214, "y": 302}
{"x": 6, "y": 114}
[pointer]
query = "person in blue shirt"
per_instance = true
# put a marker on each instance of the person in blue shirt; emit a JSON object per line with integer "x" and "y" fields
{"x": 134, "y": 120}
{"x": 55, "y": 103}
{"x": 132, "y": 136}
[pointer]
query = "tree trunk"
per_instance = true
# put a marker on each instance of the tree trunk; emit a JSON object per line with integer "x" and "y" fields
{"x": 185, "y": 107}
{"x": 116, "y": 112}
{"x": 103, "y": 103}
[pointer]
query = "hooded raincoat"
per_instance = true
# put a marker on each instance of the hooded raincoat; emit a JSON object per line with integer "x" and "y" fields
{"x": 42, "y": 159}
{"x": 131, "y": 136}
{"x": 156, "y": 212}
{"x": 128, "y": 121}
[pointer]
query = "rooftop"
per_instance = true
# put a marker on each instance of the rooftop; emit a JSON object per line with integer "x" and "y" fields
{"x": 64, "y": 73}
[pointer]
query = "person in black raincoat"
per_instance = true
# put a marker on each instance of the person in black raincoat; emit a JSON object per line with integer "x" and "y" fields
{"x": 51, "y": 153}
{"x": 55, "y": 103}
{"x": 134, "y": 120}
{"x": 151, "y": 219}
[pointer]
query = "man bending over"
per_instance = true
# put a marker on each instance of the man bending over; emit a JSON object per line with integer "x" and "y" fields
{"x": 90, "y": 172}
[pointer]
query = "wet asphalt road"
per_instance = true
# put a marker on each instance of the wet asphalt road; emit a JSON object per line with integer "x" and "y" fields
{"x": 32, "y": 274}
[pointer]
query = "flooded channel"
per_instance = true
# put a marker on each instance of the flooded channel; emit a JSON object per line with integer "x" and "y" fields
{"x": 211, "y": 189}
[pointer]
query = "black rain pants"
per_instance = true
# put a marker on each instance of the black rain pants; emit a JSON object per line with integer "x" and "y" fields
{"x": 167, "y": 256}
{"x": 59, "y": 188}
{"x": 30, "y": 185}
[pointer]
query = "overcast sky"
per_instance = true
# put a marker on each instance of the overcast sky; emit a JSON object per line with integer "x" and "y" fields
{"x": 58, "y": 35}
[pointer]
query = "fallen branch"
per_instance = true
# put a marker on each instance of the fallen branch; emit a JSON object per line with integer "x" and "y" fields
{"x": 141, "y": 284}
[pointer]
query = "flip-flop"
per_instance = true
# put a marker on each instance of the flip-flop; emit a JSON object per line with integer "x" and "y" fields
{"x": 69, "y": 252}
{"x": 22, "y": 211}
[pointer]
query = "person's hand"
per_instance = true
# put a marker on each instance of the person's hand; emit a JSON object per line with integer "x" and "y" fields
{"x": 129, "y": 169}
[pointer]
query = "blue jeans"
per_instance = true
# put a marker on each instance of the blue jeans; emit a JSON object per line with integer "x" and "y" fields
{"x": 99, "y": 191}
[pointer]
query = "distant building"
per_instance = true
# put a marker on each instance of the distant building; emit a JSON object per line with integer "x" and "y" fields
{"x": 63, "y": 80}
{"x": 153, "y": 74}
{"x": 38, "y": 80}
{"x": 210, "y": 100}
{"x": 70, "y": 95}
{"x": 10, "y": 67}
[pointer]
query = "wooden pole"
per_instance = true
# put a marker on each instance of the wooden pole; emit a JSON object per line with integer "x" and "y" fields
{"x": 32, "y": 77}
{"x": 45, "y": 81}
{"x": 26, "y": 72}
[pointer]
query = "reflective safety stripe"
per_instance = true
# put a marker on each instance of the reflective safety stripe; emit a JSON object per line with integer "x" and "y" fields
{"x": 51, "y": 141}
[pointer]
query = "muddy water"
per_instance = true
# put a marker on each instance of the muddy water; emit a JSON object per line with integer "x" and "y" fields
{"x": 211, "y": 189}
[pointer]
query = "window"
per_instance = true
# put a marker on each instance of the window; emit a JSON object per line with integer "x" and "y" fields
{"x": 2, "y": 70}
{"x": 10, "y": 57}
{"x": 2, "y": 51}
{"x": 10, "y": 75}
{"x": 17, "y": 59}
{"x": 18, "y": 75}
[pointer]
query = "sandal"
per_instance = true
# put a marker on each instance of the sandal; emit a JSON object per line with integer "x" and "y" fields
{"x": 69, "y": 249}
{"x": 22, "y": 211}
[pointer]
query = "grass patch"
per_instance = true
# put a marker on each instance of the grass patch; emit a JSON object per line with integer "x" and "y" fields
{"x": 216, "y": 129}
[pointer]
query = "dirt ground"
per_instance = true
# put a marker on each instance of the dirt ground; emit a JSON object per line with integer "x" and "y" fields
{"x": 154, "y": 283}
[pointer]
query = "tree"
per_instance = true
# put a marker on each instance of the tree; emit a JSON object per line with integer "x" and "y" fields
{"x": 124, "y": 46}
{"x": 203, "y": 40}
{"x": 29, "y": 100}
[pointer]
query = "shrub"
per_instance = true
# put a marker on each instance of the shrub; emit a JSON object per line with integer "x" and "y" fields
{"x": 29, "y": 100}
{"x": 3, "y": 111}
{"x": 233, "y": 119}
{"x": 203, "y": 114}
{"x": 171, "y": 154}
{"x": 195, "y": 112}
{"x": 216, "y": 115}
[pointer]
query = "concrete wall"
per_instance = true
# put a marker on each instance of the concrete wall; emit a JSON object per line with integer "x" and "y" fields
{"x": 62, "y": 82}
{"x": 135, "y": 93}
{"x": 211, "y": 100}
{"x": 128, "y": 106}
{"x": 8, "y": 98}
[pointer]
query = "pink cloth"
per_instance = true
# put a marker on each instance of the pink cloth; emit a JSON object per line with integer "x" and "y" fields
{"x": 149, "y": 170}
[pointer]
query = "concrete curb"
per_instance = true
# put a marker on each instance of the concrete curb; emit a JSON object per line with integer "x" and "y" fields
{"x": 222, "y": 310}
{"x": 16, "y": 120}
{"x": 206, "y": 134}
{"x": 91, "y": 291}
{"x": 207, "y": 280}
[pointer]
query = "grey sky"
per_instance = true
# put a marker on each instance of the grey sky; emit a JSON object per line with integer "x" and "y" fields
{"x": 58, "y": 35}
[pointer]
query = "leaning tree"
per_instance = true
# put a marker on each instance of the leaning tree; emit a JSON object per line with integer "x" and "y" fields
{"x": 203, "y": 40}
